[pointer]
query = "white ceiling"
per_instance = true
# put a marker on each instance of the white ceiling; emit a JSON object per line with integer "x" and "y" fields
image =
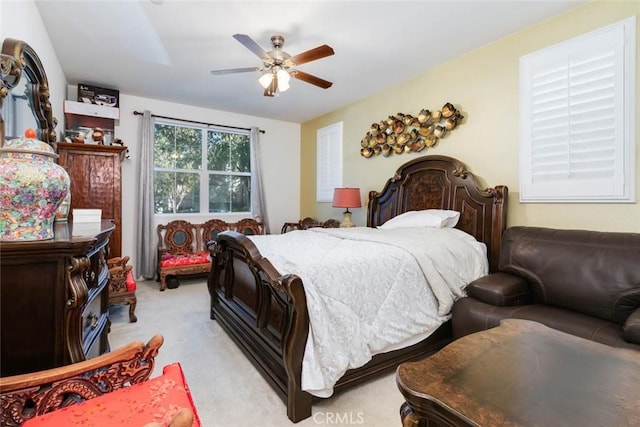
{"x": 166, "y": 49}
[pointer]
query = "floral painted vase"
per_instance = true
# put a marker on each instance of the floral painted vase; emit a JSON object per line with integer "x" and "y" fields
{"x": 32, "y": 186}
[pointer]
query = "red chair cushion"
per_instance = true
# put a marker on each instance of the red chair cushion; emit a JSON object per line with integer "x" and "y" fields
{"x": 156, "y": 400}
{"x": 131, "y": 281}
{"x": 178, "y": 260}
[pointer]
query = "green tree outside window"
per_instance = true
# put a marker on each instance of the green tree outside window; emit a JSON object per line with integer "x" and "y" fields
{"x": 193, "y": 165}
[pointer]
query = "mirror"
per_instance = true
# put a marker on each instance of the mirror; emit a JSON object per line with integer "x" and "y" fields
{"x": 25, "y": 89}
{"x": 17, "y": 112}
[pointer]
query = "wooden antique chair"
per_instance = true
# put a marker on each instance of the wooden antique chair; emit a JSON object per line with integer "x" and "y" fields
{"x": 249, "y": 226}
{"x": 119, "y": 291}
{"x": 112, "y": 389}
{"x": 309, "y": 222}
{"x": 25, "y": 396}
{"x": 180, "y": 251}
{"x": 182, "y": 246}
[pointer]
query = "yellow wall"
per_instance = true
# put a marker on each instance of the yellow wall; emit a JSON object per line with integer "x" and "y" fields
{"x": 484, "y": 86}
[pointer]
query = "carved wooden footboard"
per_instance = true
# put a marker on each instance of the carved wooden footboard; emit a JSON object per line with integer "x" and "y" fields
{"x": 266, "y": 313}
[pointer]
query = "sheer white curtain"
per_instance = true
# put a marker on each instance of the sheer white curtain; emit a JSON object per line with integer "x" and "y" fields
{"x": 258, "y": 207}
{"x": 146, "y": 243}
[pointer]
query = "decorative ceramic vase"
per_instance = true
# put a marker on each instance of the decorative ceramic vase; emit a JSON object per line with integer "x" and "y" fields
{"x": 32, "y": 186}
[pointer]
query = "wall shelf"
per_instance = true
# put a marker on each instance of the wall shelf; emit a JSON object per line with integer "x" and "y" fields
{"x": 94, "y": 110}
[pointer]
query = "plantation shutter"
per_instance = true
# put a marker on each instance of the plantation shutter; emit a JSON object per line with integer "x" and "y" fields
{"x": 576, "y": 122}
{"x": 329, "y": 161}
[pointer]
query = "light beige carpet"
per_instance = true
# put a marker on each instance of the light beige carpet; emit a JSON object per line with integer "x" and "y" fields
{"x": 226, "y": 388}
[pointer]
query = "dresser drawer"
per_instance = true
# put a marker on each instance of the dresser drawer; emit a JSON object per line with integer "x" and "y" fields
{"x": 94, "y": 338}
{"x": 97, "y": 272}
{"x": 91, "y": 317}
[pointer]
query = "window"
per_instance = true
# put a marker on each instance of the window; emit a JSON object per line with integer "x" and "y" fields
{"x": 201, "y": 169}
{"x": 577, "y": 119}
{"x": 329, "y": 161}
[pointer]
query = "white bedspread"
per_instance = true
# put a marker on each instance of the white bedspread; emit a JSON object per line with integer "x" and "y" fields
{"x": 369, "y": 291}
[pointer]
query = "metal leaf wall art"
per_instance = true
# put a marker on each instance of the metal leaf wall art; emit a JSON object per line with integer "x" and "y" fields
{"x": 404, "y": 133}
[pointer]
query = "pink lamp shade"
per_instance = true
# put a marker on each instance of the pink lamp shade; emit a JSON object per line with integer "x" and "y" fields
{"x": 346, "y": 198}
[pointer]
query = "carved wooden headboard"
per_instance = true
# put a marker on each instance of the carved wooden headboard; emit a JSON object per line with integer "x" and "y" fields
{"x": 440, "y": 182}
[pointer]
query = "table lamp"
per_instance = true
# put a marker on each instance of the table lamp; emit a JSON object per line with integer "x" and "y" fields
{"x": 346, "y": 198}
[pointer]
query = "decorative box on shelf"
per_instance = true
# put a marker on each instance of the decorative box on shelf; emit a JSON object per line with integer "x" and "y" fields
{"x": 87, "y": 215}
{"x": 95, "y": 110}
{"x": 98, "y": 95}
{"x": 86, "y": 221}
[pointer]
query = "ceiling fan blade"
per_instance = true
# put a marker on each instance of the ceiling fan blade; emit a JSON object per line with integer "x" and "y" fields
{"x": 252, "y": 46}
{"x": 309, "y": 78}
{"x": 312, "y": 54}
{"x": 235, "y": 70}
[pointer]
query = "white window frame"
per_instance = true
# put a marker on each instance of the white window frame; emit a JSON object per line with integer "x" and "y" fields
{"x": 329, "y": 141}
{"x": 612, "y": 179}
{"x": 203, "y": 172}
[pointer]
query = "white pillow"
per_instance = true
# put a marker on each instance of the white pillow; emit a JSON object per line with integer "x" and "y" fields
{"x": 449, "y": 218}
{"x": 436, "y": 218}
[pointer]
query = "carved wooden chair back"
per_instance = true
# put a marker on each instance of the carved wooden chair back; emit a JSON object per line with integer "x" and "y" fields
{"x": 28, "y": 395}
{"x": 177, "y": 237}
{"x": 331, "y": 223}
{"x": 211, "y": 229}
{"x": 118, "y": 270}
{"x": 309, "y": 222}
{"x": 117, "y": 261}
{"x": 249, "y": 226}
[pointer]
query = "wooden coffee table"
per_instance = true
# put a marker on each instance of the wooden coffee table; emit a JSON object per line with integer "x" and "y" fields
{"x": 522, "y": 373}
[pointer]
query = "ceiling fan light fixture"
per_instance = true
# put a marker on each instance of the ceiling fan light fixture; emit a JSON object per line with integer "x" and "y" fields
{"x": 283, "y": 76}
{"x": 265, "y": 79}
{"x": 283, "y": 80}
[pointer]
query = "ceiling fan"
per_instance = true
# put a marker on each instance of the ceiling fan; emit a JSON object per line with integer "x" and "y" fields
{"x": 279, "y": 65}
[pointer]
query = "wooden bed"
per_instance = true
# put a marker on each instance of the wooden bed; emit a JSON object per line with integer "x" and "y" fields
{"x": 265, "y": 312}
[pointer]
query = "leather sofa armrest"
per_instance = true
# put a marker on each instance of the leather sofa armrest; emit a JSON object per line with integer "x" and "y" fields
{"x": 631, "y": 328}
{"x": 500, "y": 289}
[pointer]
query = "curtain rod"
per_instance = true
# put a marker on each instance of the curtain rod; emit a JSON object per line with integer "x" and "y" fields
{"x": 138, "y": 113}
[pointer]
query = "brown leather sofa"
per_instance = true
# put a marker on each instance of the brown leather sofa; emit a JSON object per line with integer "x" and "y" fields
{"x": 584, "y": 283}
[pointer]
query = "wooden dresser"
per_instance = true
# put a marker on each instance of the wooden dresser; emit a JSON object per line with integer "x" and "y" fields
{"x": 95, "y": 172}
{"x": 54, "y": 299}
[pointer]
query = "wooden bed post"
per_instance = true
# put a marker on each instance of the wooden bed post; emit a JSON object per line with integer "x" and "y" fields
{"x": 298, "y": 401}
